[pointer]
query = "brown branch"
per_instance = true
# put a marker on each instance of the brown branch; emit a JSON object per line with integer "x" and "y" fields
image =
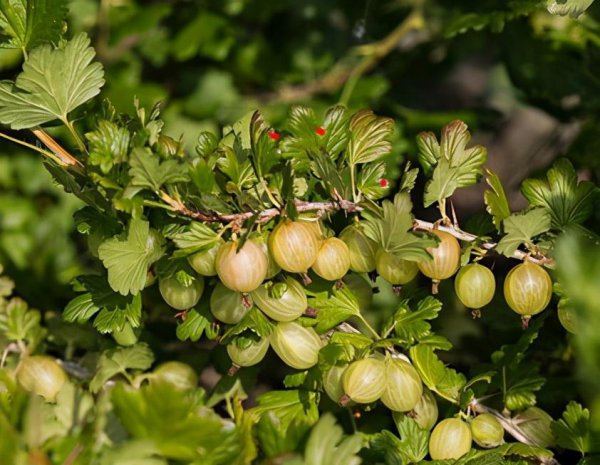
{"x": 237, "y": 219}
{"x": 348, "y": 68}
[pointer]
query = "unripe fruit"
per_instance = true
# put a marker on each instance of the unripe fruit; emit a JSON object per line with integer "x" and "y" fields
{"x": 528, "y": 289}
{"x": 361, "y": 289}
{"x": 475, "y": 286}
{"x": 287, "y": 307}
{"x": 403, "y": 387}
{"x": 250, "y": 355}
{"x": 41, "y": 375}
{"x": 487, "y": 431}
{"x": 332, "y": 382}
{"x": 296, "y": 345}
{"x": 227, "y": 306}
{"x": 567, "y": 318}
{"x": 450, "y": 439}
{"x": 203, "y": 263}
{"x": 333, "y": 259}
{"x": 364, "y": 381}
{"x": 126, "y": 336}
{"x": 445, "y": 261}
{"x": 315, "y": 227}
{"x": 394, "y": 270}
{"x": 425, "y": 413}
{"x": 293, "y": 246}
{"x": 177, "y": 295}
{"x": 178, "y": 374}
{"x": 241, "y": 270}
{"x": 272, "y": 267}
{"x": 535, "y": 424}
{"x": 362, "y": 249}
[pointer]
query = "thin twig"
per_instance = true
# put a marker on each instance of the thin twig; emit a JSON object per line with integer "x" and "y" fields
{"x": 348, "y": 69}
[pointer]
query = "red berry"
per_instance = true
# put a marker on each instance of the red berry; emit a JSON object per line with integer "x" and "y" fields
{"x": 320, "y": 131}
{"x": 383, "y": 182}
{"x": 274, "y": 135}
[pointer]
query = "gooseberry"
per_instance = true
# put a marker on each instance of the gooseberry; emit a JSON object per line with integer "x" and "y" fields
{"x": 425, "y": 413}
{"x": 125, "y": 336}
{"x": 178, "y": 295}
{"x": 403, "y": 387}
{"x": 333, "y": 259}
{"x": 332, "y": 382}
{"x": 249, "y": 355}
{"x": 178, "y": 374}
{"x": 475, "y": 286}
{"x": 227, "y": 306}
{"x": 285, "y": 303}
{"x": 450, "y": 440}
{"x": 487, "y": 431}
{"x": 296, "y": 345}
{"x": 528, "y": 289}
{"x": 203, "y": 262}
{"x": 41, "y": 375}
{"x": 241, "y": 270}
{"x": 364, "y": 381}
{"x": 535, "y": 424}
{"x": 293, "y": 246}
{"x": 445, "y": 259}
{"x": 393, "y": 269}
{"x": 361, "y": 248}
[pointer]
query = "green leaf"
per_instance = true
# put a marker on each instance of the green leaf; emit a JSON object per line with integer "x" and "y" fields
{"x": 391, "y": 228}
{"x": 132, "y": 452}
{"x": 147, "y": 171}
{"x": 119, "y": 361}
{"x": 453, "y": 164}
{"x": 369, "y": 136}
{"x": 412, "y": 326}
{"x": 446, "y": 382}
{"x": 573, "y": 8}
{"x": 285, "y": 417}
{"x": 53, "y": 83}
{"x": 114, "y": 310}
{"x": 20, "y": 323}
{"x": 109, "y": 144}
{"x": 368, "y": 181}
{"x": 29, "y": 23}
{"x": 336, "y": 125}
{"x": 264, "y": 153}
{"x": 520, "y": 228}
{"x": 176, "y": 424}
{"x": 567, "y": 201}
{"x": 196, "y": 237}
{"x": 495, "y": 200}
{"x": 334, "y": 309}
{"x": 254, "y": 321}
{"x": 197, "y": 322}
{"x": 411, "y": 447}
{"x": 327, "y": 444}
{"x": 572, "y": 431}
{"x": 127, "y": 261}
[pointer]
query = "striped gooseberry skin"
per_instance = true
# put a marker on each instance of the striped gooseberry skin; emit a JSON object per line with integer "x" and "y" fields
{"x": 450, "y": 440}
{"x": 395, "y": 270}
{"x": 487, "y": 431}
{"x": 293, "y": 246}
{"x": 332, "y": 382}
{"x": 226, "y": 305}
{"x": 41, "y": 375}
{"x": 403, "y": 389}
{"x": 296, "y": 345}
{"x": 289, "y": 306}
{"x": 250, "y": 355}
{"x": 333, "y": 259}
{"x": 179, "y": 296}
{"x": 364, "y": 381}
{"x": 425, "y": 413}
{"x": 446, "y": 257}
{"x": 361, "y": 248}
{"x": 528, "y": 289}
{"x": 475, "y": 285}
{"x": 178, "y": 374}
{"x": 203, "y": 263}
{"x": 241, "y": 270}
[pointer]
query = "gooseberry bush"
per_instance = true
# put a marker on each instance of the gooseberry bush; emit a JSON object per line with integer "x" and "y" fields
{"x": 267, "y": 246}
